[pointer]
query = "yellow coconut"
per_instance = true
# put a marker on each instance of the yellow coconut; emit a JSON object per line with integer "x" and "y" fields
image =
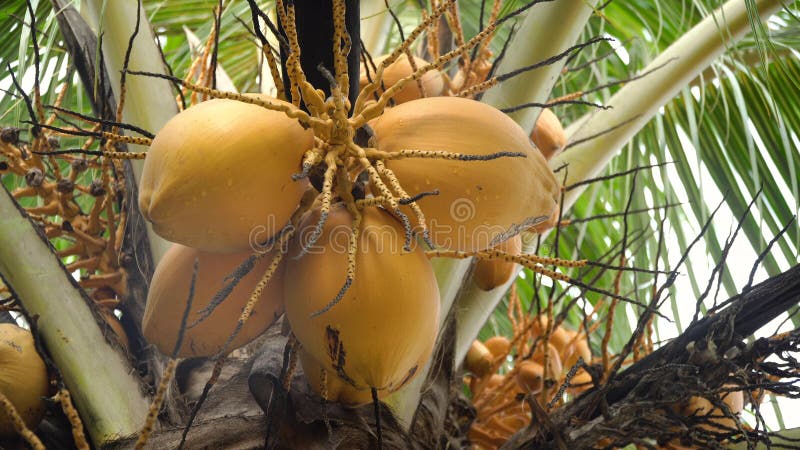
{"x": 498, "y": 345}
{"x": 480, "y": 203}
{"x": 558, "y": 335}
{"x": 700, "y": 406}
{"x": 218, "y": 175}
{"x": 432, "y": 82}
{"x": 382, "y": 331}
{"x": 548, "y": 134}
{"x": 23, "y": 377}
{"x": 495, "y": 381}
{"x": 577, "y": 347}
{"x": 479, "y": 359}
{"x": 530, "y": 377}
{"x": 581, "y": 382}
{"x": 492, "y": 273}
{"x": 478, "y": 73}
{"x": 169, "y": 291}
{"x": 553, "y": 360}
{"x": 491, "y": 382}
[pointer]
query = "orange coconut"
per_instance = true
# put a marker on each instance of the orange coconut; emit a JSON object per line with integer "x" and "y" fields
{"x": 577, "y": 347}
{"x": 553, "y": 360}
{"x": 498, "y": 345}
{"x": 492, "y": 273}
{"x": 700, "y": 406}
{"x": 169, "y": 291}
{"x": 382, "y": 331}
{"x": 581, "y": 382}
{"x": 480, "y": 203}
{"x": 530, "y": 377}
{"x": 218, "y": 175}
{"x": 559, "y": 336}
{"x": 479, "y": 359}
{"x": 480, "y": 70}
{"x": 432, "y": 82}
{"x": 23, "y": 377}
{"x": 548, "y": 134}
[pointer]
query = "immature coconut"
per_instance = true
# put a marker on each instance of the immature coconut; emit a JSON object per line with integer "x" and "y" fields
{"x": 23, "y": 377}
{"x": 218, "y": 175}
{"x": 719, "y": 421}
{"x": 577, "y": 347}
{"x": 530, "y": 377}
{"x": 478, "y": 72}
{"x": 555, "y": 367}
{"x": 559, "y": 336}
{"x": 169, "y": 291}
{"x": 492, "y": 273}
{"x": 479, "y": 359}
{"x": 432, "y": 82}
{"x": 381, "y": 332}
{"x": 498, "y": 345}
{"x": 581, "y": 382}
{"x": 480, "y": 203}
{"x": 548, "y": 134}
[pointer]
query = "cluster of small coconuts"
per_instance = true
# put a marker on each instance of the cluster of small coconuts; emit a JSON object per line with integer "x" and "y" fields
{"x": 565, "y": 347}
{"x": 218, "y": 182}
{"x": 495, "y": 389}
{"x": 23, "y": 378}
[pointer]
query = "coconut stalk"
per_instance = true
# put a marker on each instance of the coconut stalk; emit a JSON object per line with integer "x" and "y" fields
{"x": 636, "y": 102}
{"x": 639, "y": 101}
{"x": 106, "y": 392}
{"x": 376, "y": 24}
{"x": 149, "y": 102}
{"x": 562, "y": 23}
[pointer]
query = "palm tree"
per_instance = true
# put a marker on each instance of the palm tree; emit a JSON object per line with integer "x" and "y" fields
{"x": 713, "y": 112}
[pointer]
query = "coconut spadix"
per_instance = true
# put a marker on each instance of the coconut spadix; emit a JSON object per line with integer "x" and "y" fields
{"x": 381, "y": 332}
{"x": 218, "y": 176}
{"x": 169, "y": 292}
{"x": 480, "y": 203}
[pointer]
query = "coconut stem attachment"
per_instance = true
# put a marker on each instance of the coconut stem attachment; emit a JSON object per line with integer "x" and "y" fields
{"x": 376, "y": 404}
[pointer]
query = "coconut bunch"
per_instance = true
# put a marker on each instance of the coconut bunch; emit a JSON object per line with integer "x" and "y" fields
{"x": 712, "y": 413}
{"x": 272, "y": 207}
{"x": 502, "y": 373}
{"x": 470, "y": 79}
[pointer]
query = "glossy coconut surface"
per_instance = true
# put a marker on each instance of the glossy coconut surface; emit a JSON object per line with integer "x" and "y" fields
{"x": 23, "y": 377}
{"x": 169, "y": 291}
{"x": 384, "y": 328}
{"x": 218, "y": 175}
{"x": 480, "y": 203}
